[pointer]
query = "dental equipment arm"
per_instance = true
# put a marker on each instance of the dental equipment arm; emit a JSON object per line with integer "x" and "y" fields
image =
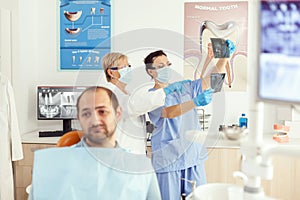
{"x": 256, "y": 163}
{"x": 285, "y": 150}
{"x": 249, "y": 150}
{"x": 192, "y": 182}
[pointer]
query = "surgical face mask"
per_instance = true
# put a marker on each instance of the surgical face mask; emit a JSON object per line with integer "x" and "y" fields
{"x": 125, "y": 76}
{"x": 164, "y": 74}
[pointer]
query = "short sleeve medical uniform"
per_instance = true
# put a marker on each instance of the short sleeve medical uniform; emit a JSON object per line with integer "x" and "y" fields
{"x": 173, "y": 155}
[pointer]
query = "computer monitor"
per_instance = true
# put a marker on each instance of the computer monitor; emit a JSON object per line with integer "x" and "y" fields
{"x": 279, "y": 51}
{"x": 58, "y": 103}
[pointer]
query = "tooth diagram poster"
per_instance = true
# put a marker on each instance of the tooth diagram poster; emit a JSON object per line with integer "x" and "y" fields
{"x": 206, "y": 20}
{"x": 85, "y": 31}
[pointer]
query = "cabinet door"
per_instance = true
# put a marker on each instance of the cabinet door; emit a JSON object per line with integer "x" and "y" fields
{"x": 221, "y": 164}
{"x": 285, "y": 182}
{"x": 23, "y": 169}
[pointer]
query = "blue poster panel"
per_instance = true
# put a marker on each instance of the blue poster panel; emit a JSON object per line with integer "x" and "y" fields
{"x": 85, "y": 31}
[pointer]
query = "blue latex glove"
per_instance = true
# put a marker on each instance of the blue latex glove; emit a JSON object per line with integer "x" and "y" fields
{"x": 231, "y": 46}
{"x": 177, "y": 86}
{"x": 204, "y": 98}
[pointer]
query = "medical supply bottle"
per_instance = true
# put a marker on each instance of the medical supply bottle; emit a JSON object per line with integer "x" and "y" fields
{"x": 243, "y": 121}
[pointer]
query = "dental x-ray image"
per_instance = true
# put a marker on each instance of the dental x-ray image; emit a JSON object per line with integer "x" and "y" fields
{"x": 68, "y": 100}
{"x": 216, "y": 81}
{"x": 49, "y": 102}
{"x": 58, "y": 102}
{"x": 280, "y": 27}
{"x": 220, "y": 48}
{"x": 279, "y": 58}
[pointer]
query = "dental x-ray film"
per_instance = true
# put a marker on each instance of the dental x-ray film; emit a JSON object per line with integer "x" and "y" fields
{"x": 220, "y": 48}
{"x": 216, "y": 81}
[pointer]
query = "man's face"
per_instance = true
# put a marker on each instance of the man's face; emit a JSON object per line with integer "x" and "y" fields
{"x": 97, "y": 117}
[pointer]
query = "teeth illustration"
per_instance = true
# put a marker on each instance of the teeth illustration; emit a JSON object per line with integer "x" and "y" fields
{"x": 93, "y": 11}
{"x": 89, "y": 59}
{"x": 73, "y": 30}
{"x": 73, "y": 16}
{"x": 97, "y": 58}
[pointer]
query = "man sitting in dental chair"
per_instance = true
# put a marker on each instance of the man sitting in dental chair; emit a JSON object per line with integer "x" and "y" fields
{"x": 99, "y": 170}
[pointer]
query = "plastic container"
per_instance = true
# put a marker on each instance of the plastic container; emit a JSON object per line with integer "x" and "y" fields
{"x": 243, "y": 121}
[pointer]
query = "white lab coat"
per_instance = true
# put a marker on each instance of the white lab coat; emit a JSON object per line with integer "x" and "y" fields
{"x": 10, "y": 141}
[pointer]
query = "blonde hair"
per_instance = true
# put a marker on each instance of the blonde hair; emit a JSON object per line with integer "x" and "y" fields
{"x": 111, "y": 60}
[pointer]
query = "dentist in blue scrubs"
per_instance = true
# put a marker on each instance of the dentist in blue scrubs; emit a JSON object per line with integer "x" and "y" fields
{"x": 174, "y": 157}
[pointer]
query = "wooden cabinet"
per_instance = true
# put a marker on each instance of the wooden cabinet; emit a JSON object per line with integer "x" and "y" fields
{"x": 286, "y": 179}
{"x": 222, "y": 162}
{"x": 23, "y": 169}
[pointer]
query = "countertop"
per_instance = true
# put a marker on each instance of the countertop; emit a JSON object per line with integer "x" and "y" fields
{"x": 210, "y": 140}
{"x": 33, "y": 137}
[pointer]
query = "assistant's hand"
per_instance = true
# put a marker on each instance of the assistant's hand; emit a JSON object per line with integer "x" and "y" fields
{"x": 204, "y": 98}
{"x": 231, "y": 46}
{"x": 177, "y": 86}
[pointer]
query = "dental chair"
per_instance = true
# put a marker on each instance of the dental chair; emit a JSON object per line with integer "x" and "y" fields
{"x": 68, "y": 139}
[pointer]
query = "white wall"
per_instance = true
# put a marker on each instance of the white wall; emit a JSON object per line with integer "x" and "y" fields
{"x": 138, "y": 27}
{"x": 5, "y": 41}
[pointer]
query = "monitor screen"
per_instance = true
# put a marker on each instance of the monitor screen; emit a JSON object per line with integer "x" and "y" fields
{"x": 58, "y": 103}
{"x": 279, "y": 56}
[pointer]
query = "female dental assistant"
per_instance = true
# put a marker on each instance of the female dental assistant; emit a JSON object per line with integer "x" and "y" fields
{"x": 173, "y": 156}
{"x": 131, "y": 130}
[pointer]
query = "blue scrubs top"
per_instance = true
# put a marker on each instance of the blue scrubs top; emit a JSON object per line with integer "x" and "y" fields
{"x": 171, "y": 151}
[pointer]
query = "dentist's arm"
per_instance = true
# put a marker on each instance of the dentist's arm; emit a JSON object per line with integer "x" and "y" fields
{"x": 201, "y": 100}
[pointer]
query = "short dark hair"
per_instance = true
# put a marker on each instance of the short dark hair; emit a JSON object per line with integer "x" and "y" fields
{"x": 112, "y": 96}
{"x": 149, "y": 59}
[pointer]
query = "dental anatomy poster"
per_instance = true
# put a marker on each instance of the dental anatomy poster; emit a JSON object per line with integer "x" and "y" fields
{"x": 85, "y": 31}
{"x": 215, "y": 42}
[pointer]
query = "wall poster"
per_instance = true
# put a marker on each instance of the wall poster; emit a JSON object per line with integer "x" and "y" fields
{"x": 85, "y": 31}
{"x": 216, "y": 42}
